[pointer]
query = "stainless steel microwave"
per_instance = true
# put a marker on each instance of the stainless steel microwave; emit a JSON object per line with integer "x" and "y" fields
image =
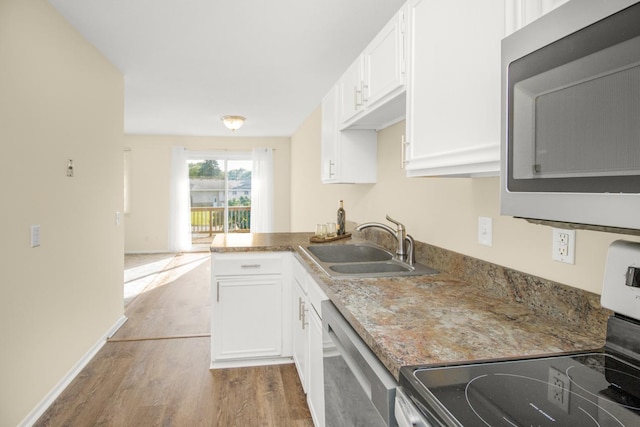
{"x": 571, "y": 116}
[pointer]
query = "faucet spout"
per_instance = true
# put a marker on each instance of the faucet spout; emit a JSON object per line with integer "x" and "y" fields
{"x": 399, "y": 234}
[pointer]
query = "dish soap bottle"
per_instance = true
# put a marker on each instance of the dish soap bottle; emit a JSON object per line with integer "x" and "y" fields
{"x": 341, "y": 219}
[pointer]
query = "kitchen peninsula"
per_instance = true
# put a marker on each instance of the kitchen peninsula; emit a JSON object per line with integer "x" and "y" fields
{"x": 472, "y": 310}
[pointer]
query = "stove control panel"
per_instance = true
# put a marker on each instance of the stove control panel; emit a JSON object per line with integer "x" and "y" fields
{"x": 621, "y": 287}
{"x": 633, "y": 277}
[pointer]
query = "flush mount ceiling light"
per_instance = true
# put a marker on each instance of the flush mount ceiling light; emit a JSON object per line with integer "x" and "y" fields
{"x": 233, "y": 122}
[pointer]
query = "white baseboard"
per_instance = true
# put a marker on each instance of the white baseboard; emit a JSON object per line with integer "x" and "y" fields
{"x": 44, "y": 404}
{"x": 246, "y": 363}
{"x": 150, "y": 252}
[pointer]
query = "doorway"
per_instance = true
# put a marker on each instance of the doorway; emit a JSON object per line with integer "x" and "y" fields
{"x": 219, "y": 195}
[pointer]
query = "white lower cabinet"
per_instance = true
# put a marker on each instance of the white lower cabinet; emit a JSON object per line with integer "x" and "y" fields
{"x": 266, "y": 310}
{"x": 300, "y": 331}
{"x": 315, "y": 385}
{"x": 307, "y": 339}
{"x": 250, "y": 309}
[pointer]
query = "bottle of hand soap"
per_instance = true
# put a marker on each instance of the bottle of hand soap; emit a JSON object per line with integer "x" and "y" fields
{"x": 341, "y": 219}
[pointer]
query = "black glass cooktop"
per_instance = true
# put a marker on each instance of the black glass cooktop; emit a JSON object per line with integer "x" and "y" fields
{"x": 592, "y": 389}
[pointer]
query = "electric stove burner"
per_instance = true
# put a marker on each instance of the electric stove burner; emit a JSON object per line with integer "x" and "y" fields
{"x": 594, "y": 389}
{"x": 599, "y": 388}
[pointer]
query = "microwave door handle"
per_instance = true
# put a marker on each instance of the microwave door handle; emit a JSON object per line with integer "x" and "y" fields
{"x": 351, "y": 363}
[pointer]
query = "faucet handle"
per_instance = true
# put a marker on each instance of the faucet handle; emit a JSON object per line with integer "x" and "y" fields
{"x": 398, "y": 223}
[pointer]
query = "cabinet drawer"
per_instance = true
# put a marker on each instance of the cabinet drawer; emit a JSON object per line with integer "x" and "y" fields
{"x": 243, "y": 265}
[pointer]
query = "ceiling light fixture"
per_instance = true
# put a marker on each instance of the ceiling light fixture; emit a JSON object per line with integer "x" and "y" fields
{"x": 233, "y": 122}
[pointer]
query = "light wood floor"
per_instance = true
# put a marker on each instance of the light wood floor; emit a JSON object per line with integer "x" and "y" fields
{"x": 155, "y": 370}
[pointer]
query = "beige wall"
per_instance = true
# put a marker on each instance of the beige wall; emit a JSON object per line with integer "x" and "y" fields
{"x": 60, "y": 100}
{"x": 440, "y": 211}
{"x": 147, "y": 223}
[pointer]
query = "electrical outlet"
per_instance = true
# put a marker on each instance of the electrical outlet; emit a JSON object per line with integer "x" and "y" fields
{"x": 485, "y": 231}
{"x": 559, "y": 389}
{"x": 564, "y": 246}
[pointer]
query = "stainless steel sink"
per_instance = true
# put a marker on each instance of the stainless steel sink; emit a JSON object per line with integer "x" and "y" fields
{"x": 349, "y": 253}
{"x": 361, "y": 260}
{"x": 370, "y": 268}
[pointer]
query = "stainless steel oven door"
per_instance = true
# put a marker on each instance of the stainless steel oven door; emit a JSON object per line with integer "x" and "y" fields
{"x": 358, "y": 389}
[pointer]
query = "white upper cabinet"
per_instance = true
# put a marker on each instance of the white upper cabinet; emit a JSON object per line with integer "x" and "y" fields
{"x": 519, "y": 13}
{"x": 453, "y": 88}
{"x": 384, "y": 61}
{"x": 372, "y": 88}
{"x": 348, "y": 156}
{"x": 351, "y": 87}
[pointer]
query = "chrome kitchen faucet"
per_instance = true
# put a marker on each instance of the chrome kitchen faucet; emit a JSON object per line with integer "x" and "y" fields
{"x": 404, "y": 254}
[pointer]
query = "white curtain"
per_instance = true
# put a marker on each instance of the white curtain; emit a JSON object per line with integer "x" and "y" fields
{"x": 180, "y": 203}
{"x": 262, "y": 191}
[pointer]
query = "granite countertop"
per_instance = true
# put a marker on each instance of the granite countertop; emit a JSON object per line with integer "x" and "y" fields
{"x": 428, "y": 319}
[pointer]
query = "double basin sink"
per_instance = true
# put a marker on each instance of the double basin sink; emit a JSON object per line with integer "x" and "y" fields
{"x": 361, "y": 260}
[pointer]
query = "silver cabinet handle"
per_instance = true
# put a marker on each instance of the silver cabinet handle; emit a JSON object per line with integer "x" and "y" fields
{"x": 248, "y": 266}
{"x": 217, "y": 291}
{"x": 300, "y": 308}
{"x": 304, "y": 316}
{"x": 331, "y": 166}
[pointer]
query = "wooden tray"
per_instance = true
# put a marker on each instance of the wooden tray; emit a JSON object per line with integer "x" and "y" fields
{"x": 315, "y": 239}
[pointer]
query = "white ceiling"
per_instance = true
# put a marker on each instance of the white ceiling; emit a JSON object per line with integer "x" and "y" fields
{"x": 188, "y": 62}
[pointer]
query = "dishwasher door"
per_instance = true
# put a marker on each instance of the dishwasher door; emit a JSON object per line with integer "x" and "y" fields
{"x": 358, "y": 389}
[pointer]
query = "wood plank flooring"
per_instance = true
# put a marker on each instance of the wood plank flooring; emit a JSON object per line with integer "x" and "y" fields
{"x": 155, "y": 370}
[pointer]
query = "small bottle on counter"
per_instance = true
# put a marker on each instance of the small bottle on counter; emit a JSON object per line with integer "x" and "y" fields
{"x": 341, "y": 219}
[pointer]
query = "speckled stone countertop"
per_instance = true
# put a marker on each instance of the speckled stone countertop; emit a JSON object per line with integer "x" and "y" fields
{"x": 431, "y": 319}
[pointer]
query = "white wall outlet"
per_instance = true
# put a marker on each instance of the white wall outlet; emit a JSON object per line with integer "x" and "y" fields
{"x": 35, "y": 235}
{"x": 559, "y": 388}
{"x": 564, "y": 246}
{"x": 485, "y": 231}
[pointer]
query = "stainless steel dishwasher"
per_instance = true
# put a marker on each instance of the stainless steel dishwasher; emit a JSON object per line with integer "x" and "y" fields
{"x": 358, "y": 390}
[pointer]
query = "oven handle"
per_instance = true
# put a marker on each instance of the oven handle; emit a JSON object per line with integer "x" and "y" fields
{"x": 351, "y": 363}
{"x": 406, "y": 414}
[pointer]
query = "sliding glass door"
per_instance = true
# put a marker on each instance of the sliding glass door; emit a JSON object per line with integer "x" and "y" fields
{"x": 220, "y": 194}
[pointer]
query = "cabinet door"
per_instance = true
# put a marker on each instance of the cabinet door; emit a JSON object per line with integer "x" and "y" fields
{"x": 247, "y": 317}
{"x": 519, "y": 13}
{"x": 348, "y": 156}
{"x": 453, "y": 89}
{"x": 315, "y": 388}
{"x": 329, "y": 140}
{"x": 384, "y": 62}
{"x": 351, "y": 87}
{"x": 300, "y": 333}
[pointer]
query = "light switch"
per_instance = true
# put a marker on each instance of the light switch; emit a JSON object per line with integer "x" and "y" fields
{"x": 485, "y": 231}
{"x": 35, "y": 235}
